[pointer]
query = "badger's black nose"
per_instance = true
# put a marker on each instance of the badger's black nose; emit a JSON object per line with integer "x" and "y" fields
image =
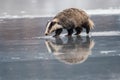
{"x": 46, "y": 34}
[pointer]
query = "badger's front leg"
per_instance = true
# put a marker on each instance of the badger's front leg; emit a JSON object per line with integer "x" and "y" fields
{"x": 70, "y": 32}
{"x": 57, "y": 32}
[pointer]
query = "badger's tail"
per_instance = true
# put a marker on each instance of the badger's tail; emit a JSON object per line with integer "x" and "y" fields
{"x": 91, "y": 24}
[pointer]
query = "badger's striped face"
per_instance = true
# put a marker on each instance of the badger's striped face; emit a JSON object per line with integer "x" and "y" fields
{"x": 52, "y": 26}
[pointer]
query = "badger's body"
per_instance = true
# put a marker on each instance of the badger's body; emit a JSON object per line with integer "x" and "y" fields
{"x": 70, "y": 19}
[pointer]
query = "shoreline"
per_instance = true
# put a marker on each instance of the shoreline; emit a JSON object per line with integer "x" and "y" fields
{"x": 95, "y": 12}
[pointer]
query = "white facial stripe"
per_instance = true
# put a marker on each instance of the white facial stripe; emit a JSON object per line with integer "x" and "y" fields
{"x": 55, "y": 20}
{"x": 52, "y": 29}
{"x": 55, "y": 27}
{"x": 46, "y": 31}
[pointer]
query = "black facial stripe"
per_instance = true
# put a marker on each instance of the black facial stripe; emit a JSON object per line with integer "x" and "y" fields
{"x": 51, "y": 24}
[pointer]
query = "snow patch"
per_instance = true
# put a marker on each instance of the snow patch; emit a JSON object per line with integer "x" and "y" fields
{"x": 90, "y": 12}
{"x": 107, "y": 52}
{"x": 104, "y": 11}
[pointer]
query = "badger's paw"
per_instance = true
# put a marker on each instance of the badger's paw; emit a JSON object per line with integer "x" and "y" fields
{"x": 56, "y": 36}
{"x": 68, "y": 35}
{"x": 77, "y": 34}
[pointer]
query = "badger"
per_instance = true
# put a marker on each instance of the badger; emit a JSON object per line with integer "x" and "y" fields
{"x": 75, "y": 50}
{"x": 70, "y": 19}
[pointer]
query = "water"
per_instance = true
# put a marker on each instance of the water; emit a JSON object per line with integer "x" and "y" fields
{"x": 26, "y": 54}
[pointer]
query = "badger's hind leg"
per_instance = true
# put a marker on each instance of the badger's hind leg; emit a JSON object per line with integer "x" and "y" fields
{"x": 87, "y": 27}
{"x": 57, "y": 32}
{"x": 78, "y": 30}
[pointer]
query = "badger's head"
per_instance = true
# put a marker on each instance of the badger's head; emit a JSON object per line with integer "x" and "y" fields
{"x": 52, "y": 26}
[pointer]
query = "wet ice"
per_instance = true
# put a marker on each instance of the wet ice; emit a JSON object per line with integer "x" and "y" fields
{"x": 24, "y": 54}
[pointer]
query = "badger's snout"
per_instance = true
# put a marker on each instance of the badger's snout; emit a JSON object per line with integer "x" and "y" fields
{"x": 46, "y": 34}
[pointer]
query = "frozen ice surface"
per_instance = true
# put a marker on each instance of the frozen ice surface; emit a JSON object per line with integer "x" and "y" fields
{"x": 26, "y": 54}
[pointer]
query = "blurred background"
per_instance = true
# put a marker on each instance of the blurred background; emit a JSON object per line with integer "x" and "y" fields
{"x": 35, "y": 8}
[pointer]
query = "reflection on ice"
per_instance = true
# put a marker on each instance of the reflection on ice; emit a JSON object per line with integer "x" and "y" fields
{"x": 75, "y": 50}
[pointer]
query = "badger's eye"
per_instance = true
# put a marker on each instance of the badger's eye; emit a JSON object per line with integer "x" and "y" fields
{"x": 58, "y": 23}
